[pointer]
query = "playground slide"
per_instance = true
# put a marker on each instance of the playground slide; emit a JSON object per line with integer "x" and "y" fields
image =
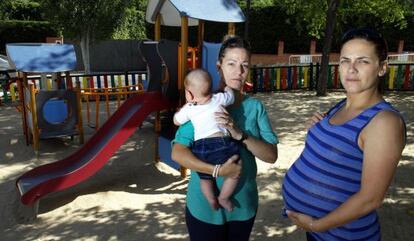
{"x": 94, "y": 154}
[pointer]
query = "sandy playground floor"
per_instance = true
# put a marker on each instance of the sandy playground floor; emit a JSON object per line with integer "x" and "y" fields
{"x": 131, "y": 198}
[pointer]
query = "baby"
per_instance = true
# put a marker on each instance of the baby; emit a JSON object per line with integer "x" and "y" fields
{"x": 211, "y": 142}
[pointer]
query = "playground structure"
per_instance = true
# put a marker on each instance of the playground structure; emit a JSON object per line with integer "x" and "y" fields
{"x": 164, "y": 87}
{"x": 47, "y": 113}
{"x": 94, "y": 154}
{"x": 113, "y": 90}
{"x": 115, "y": 131}
{"x": 183, "y": 14}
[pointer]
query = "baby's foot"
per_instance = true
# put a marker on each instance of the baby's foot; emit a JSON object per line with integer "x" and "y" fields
{"x": 226, "y": 204}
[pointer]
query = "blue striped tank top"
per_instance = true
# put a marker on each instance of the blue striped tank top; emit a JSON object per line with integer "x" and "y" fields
{"x": 328, "y": 172}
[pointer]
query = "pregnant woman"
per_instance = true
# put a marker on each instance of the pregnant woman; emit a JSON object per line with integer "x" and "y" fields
{"x": 351, "y": 153}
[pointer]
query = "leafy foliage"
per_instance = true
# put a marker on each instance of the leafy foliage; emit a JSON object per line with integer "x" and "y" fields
{"x": 351, "y": 13}
{"x": 20, "y": 9}
{"x": 256, "y": 3}
{"x": 132, "y": 26}
{"x": 294, "y": 21}
{"x": 21, "y": 21}
{"x": 77, "y": 17}
{"x": 17, "y": 31}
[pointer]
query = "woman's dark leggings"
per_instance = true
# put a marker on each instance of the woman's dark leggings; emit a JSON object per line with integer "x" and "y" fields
{"x": 231, "y": 231}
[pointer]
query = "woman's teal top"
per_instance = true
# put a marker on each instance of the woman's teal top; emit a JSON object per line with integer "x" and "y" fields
{"x": 251, "y": 117}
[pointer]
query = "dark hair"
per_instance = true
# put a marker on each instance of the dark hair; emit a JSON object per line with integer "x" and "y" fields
{"x": 231, "y": 42}
{"x": 370, "y": 35}
{"x": 381, "y": 47}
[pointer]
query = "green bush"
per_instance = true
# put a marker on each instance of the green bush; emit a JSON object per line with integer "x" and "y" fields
{"x": 16, "y": 31}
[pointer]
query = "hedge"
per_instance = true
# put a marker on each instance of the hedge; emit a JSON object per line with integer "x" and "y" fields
{"x": 16, "y": 31}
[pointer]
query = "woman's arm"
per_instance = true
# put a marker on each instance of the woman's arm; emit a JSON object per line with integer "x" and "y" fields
{"x": 261, "y": 149}
{"x": 382, "y": 151}
{"x": 264, "y": 151}
{"x": 183, "y": 156}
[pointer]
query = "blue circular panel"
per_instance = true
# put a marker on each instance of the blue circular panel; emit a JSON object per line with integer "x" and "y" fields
{"x": 55, "y": 111}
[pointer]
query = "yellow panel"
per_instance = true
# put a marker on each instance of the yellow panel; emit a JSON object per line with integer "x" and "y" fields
{"x": 12, "y": 92}
{"x": 391, "y": 80}
{"x": 305, "y": 77}
{"x": 85, "y": 82}
{"x": 278, "y": 78}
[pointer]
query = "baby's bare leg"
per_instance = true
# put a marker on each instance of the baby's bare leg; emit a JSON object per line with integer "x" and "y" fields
{"x": 207, "y": 187}
{"x": 227, "y": 190}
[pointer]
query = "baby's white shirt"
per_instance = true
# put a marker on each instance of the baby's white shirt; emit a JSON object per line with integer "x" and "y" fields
{"x": 202, "y": 116}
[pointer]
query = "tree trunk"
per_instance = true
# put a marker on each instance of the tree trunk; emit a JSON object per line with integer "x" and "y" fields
{"x": 85, "y": 40}
{"x": 327, "y": 43}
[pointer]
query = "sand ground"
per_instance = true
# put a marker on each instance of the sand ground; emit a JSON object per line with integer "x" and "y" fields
{"x": 131, "y": 198}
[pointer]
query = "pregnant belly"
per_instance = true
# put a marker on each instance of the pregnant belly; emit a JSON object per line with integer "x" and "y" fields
{"x": 309, "y": 192}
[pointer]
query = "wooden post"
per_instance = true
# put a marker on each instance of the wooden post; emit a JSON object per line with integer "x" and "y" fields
{"x": 79, "y": 111}
{"x": 200, "y": 42}
{"x": 157, "y": 127}
{"x": 20, "y": 86}
{"x": 35, "y": 127}
{"x": 157, "y": 28}
{"x": 97, "y": 99}
{"x": 231, "y": 29}
{"x": 59, "y": 80}
{"x": 88, "y": 109}
{"x": 106, "y": 93}
{"x": 69, "y": 84}
{"x": 183, "y": 60}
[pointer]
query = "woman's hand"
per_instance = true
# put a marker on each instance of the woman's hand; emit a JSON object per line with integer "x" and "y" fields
{"x": 225, "y": 121}
{"x": 261, "y": 149}
{"x": 183, "y": 156}
{"x": 231, "y": 168}
{"x": 317, "y": 116}
{"x": 301, "y": 220}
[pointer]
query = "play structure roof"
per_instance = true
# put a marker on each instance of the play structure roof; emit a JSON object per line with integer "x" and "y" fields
{"x": 209, "y": 10}
{"x": 41, "y": 57}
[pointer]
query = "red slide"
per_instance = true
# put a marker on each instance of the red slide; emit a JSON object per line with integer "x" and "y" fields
{"x": 92, "y": 156}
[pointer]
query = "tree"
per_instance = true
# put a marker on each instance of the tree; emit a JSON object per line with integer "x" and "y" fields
{"x": 4, "y": 5}
{"x": 85, "y": 21}
{"x": 133, "y": 25}
{"x": 20, "y": 10}
{"x": 327, "y": 43}
{"x": 319, "y": 20}
{"x": 246, "y": 24}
